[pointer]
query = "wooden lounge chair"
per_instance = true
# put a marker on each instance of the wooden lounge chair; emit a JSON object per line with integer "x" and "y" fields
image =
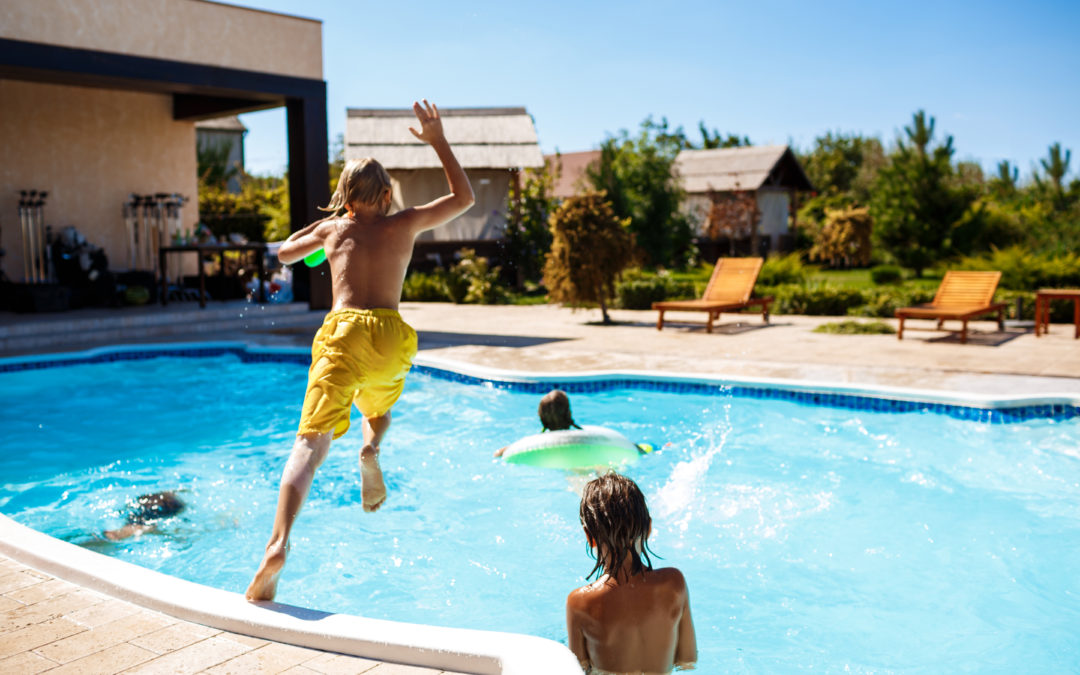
{"x": 729, "y": 290}
{"x": 962, "y": 296}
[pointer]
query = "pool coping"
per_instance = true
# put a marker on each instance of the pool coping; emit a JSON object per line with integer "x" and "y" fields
{"x": 459, "y": 649}
{"x": 812, "y": 391}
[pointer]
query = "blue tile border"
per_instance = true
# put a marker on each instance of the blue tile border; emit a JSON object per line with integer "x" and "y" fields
{"x": 824, "y": 399}
{"x": 1002, "y": 415}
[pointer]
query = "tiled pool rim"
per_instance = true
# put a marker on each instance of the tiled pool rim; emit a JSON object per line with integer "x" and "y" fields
{"x": 967, "y": 406}
{"x": 462, "y": 650}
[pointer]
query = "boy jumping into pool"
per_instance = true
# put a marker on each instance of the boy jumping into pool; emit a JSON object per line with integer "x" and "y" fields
{"x": 632, "y": 618}
{"x": 363, "y": 350}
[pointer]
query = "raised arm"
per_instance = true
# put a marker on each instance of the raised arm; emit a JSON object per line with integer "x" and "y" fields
{"x": 301, "y": 243}
{"x": 445, "y": 208}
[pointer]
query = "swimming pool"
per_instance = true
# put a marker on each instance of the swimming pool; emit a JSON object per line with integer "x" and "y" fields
{"x": 816, "y": 530}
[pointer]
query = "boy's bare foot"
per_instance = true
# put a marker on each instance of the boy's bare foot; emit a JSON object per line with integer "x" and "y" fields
{"x": 372, "y": 488}
{"x": 264, "y": 585}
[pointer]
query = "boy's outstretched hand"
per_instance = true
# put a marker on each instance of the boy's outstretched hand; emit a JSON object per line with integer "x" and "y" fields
{"x": 430, "y": 123}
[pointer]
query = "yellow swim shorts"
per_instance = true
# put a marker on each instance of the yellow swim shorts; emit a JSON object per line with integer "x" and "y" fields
{"x": 358, "y": 356}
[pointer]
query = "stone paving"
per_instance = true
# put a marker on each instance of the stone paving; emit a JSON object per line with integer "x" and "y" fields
{"x": 49, "y": 625}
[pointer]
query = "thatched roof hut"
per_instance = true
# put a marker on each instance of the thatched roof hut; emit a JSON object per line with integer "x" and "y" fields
{"x": 771, "y": 172}
{"x": 492, "y": 144}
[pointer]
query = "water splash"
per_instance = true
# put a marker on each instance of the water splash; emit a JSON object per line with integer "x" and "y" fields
{"x": 678, "y": 495}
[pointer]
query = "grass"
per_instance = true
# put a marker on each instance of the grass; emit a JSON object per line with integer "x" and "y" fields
{"x": 850, "y": 327}
{"x": 526, "y": 299}
{"x": 861, "y": 279}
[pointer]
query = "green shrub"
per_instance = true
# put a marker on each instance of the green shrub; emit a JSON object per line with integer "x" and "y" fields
{"x": 420, "y": 287}
{"x": 479, "y": 281}
{"x": 815, "y": 300}
{"x": 1023, "y": 270}
{"x": 884, "y": 302}
{"x": 850, "y": 327}
{"x": 788, "y": 269}
{"x": 469, "y": 280}
{"x": 638, "y": 290}
{"x": 1061, "y": 311}
{"x": 456, "y": 286}
{"x": 886, "y": 274}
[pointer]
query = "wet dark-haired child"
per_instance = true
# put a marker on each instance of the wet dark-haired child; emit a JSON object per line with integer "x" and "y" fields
{"x": 144, "y": 512}
{"x": 632, "y": 618}
{"x": 554, "y": 412}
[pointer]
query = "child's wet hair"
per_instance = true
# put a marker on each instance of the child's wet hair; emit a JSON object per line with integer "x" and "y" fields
{"x": 362, "y": 181}
{"x": 153, "y": 506}
{"x": 617, "y": 522}
{"x": 554, "y": 411}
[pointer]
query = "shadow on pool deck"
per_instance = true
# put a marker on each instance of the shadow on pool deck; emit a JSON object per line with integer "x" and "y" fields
{"x": 433, "y": 339}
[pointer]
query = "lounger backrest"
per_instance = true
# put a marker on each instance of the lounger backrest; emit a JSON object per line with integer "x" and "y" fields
{"x": 967, "y": 289}
{"x": 733, "y": 279}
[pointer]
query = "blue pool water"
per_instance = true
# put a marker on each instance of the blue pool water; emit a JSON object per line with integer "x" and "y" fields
{"x": 812, "y": 538}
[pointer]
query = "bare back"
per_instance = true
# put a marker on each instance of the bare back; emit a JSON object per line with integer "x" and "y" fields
{"x": 639, "y": 625}
{"x": 368, "y": 258}
{"x": 368, "y": 251}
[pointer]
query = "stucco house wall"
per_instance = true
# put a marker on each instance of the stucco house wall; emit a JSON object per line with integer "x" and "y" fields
{"x": 89, "y": 148}
{"x": 193, "y": 31}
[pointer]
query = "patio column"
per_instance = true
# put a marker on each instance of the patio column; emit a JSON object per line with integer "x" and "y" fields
{"x": 309, "y": 186}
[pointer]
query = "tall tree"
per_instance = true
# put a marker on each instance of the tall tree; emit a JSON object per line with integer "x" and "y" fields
{"x": 590, "y": 247}
{"x": 212, "y": 163}
{"x": 835, "y": 162}
{"x": 1003, "y": 183}
{"x": 712, "y": 139}
{"x": 1056, "y": 165}
{"x": 916, "y": 202}
{"x": 636, "y": 174}
{"x": 528, "y": 237}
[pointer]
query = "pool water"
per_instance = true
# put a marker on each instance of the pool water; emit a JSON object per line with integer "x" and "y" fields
{"x": 812, "y": 538}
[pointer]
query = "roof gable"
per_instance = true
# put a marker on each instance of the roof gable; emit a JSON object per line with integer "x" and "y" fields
{"x": 747, "y": 168}
{"x": 570, "y": 168}
{"x": 482, "y": 138}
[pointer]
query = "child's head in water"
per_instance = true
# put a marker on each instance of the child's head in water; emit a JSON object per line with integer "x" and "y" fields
{"x": 617, "y": 524}
{"x": 150, "y": 507}
{"x": 362, "y": 181}
{"x": 554, "y": 411}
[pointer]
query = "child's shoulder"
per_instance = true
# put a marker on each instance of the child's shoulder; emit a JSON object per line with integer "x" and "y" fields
{"x": 583, "y": 595}
{"x": 670, "y": 576}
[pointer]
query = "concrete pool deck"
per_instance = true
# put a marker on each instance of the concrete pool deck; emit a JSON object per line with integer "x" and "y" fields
{"x": 42, "y": 618}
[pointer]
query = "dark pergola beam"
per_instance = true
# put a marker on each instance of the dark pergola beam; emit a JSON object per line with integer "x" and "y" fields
{"x": 309, "y": 186}
{"x": 85, "y": 67}
{"x": 195, "y": 107}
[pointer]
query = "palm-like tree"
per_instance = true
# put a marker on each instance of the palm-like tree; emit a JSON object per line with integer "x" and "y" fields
{"x": 1056, "y": 165}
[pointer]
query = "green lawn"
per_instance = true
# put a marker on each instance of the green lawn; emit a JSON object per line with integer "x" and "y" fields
{"x": 861, "y": 279}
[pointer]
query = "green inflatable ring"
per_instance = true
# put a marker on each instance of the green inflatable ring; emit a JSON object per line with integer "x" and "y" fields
{"x": 573, "y": 449}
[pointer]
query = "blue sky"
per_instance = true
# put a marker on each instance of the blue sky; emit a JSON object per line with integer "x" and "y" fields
{"x": 1003, "y": 78}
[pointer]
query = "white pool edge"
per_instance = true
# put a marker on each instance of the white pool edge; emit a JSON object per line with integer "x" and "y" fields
{"x": 456, "y": 649}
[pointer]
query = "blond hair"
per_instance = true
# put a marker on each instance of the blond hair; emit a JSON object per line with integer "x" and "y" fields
{"x": 362, "y": 181}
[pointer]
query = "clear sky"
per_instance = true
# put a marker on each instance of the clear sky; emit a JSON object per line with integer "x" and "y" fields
{"x": 1003, "y": 78}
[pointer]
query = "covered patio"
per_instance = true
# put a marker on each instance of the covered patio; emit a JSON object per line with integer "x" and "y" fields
{"x": 99, "y": 100}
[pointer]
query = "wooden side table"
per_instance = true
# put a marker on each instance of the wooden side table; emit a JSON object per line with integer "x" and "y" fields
{"x": 1042, "y": 308}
